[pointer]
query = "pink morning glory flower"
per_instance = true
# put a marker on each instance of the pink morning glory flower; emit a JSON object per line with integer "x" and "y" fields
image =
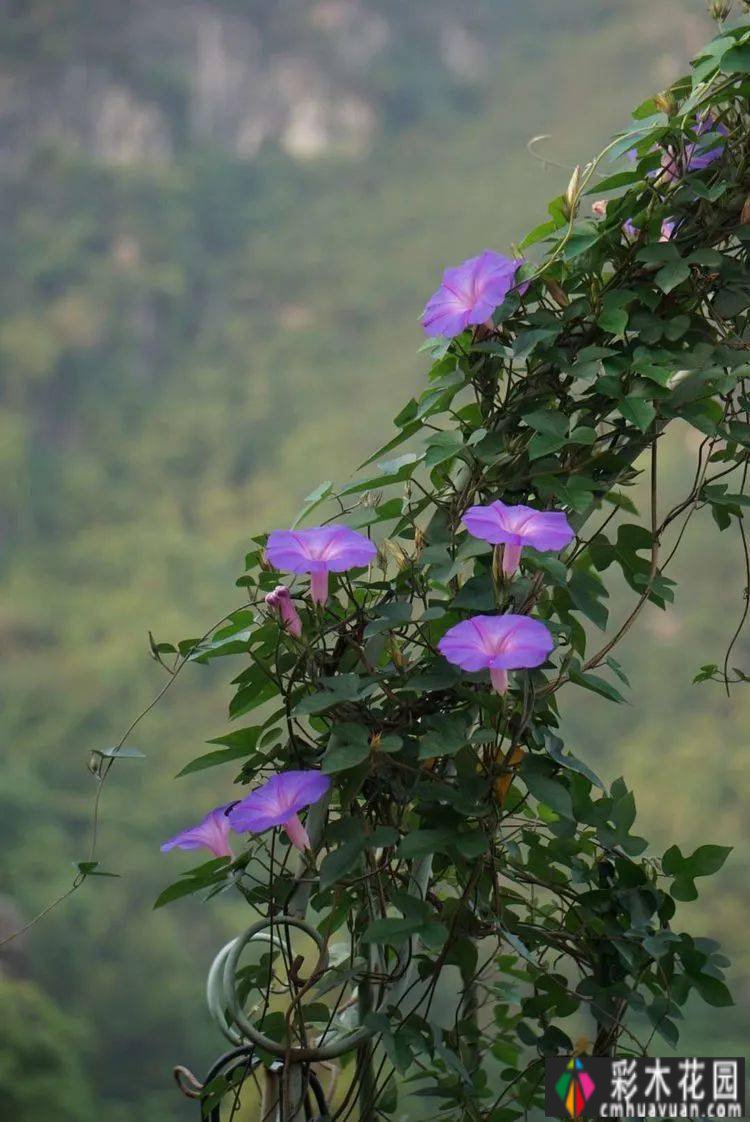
{"x": 280, "y": 601}
{"x": 517, "y": 526}
{"x": 469, "y": 293}
{"x": 319, "y": 551}
{"x": 211, "y": 833}
{"x": 497, "y": 644}
{"x": 278, "y": 803}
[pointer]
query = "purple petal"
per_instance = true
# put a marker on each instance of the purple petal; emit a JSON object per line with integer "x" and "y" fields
{"x": 319, "y": 549}
{"x": 491, "y": 524}
{"x": 519, "y": 525}
{"x": 508, "y": 642}
{"x": 464, "y": 646}
{"x": 469, "y": 293}
{"x": 445, "y": 314}
{"x": 211, "y": 833}
{"x": 278, "y": 800}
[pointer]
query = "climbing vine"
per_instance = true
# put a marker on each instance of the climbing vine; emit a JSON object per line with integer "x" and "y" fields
{"x": 404, "y": 650}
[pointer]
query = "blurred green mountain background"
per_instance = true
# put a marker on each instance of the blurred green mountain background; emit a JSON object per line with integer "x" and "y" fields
{"x": 220, "y": 221}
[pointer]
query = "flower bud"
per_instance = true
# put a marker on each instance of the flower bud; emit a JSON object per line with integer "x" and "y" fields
{"x": 280, "y": 601}
{"x": 599, "y": 208}
{"x": 572, "y": 195}
{"x": 745, "y": 212}
{"x": 719, "y": 9}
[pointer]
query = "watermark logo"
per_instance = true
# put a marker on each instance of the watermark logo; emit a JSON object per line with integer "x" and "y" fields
{"x": 575, "y": 1087}
{"x": 644, "y": 1087}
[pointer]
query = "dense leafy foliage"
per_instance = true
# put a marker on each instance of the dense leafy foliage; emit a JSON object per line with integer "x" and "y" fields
{"x": 461, "y": 833}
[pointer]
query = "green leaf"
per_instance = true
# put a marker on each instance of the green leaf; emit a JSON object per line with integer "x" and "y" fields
{"x": 443, "y": 446}
{"x": 672, "y": 275}
{"x": 213, "y": 759}
{"x": 250, "y": 697}
{"x": 543, "y": 230}
{"x": 348, "y": 745}
{"x": 542, "y": 784}
{"x": 91, "y": 869}
{"x": 205, "y": 877}
{"x": 737, "y": 60}
{"x": 713, "y": 991}
{"x": 392, "y": 930}
{"x": 392, "y": 471}
{"x": 445, "y": 736}
{"x": 315, "y": 498}
{"x": 638, "y": 411}
{"x": 596, "y": 685}
{"x": 341, "y": 861}
{"x": 708, "y": 859}
{"x": 554, "y": 747}
{"x": 613, "y": 320}
{"x": 420, "y": 843}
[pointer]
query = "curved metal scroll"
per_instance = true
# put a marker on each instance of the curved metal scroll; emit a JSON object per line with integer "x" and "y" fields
{"x": 221, "y": 993}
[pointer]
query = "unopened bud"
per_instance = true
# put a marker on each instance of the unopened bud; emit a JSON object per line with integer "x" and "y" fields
{"x": 719, "y": 9}
{"x": 745, "y": 212}
{"x": 572, "y": 195}
{"x": 264, "y": 563}
{"x": 666, "y": 103}
{"x": 599, "y": 208}
{"x": 397, "y": 655}
{"x": 420, "y": 541}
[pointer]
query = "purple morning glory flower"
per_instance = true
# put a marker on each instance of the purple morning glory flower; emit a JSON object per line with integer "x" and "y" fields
{"x": 319, "y": 551}
{"x": 211, "y": 833}
{"x": 469, "y": 293}
{"x": 698, "y": 154}
{"x": 517, "y": 526}
{"x": 630, "y": 229}
{"x": 278, "y": 803}
{"x": 668, "y": 227}
{"x": 497, "y": 644}
{"x": 280, "y": 601}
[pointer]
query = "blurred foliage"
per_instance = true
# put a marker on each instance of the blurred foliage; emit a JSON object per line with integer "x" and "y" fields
{"x": 43, "y": 1056}
{"x": 177, "y": 347}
